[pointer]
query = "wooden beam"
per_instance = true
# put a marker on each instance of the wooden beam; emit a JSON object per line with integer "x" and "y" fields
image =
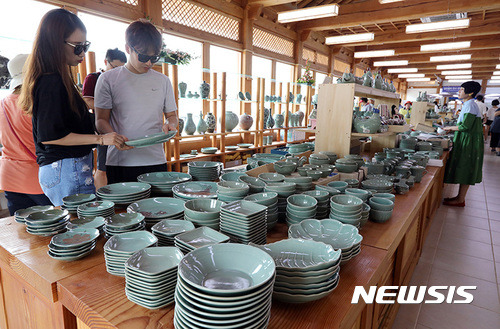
{"x": 152, "y": 10}
{"x": 304, "y": 3}
{"x": 269, "y": 3}
{"x": 381, "y": 29}
{"x": 394, "y": 26}
{"x": 254, "y": 11}
{"x": 304, "y": 35}
{"x": 372, "y": 11}
{"x": 424, "y": 58}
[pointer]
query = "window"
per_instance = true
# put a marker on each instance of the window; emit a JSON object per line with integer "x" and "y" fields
{"x": 110, "y": 37}
{"x": 320, "y": 77}
{"x": 284, "y": 74}
{"x": 261, "y": 68}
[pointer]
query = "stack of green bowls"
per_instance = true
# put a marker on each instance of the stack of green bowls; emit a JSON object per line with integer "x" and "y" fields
{"x": 362, "y": 194}
{"x": 228, "y": 191}
{"x": 162, "y": 182}
{"x": 232, "y": 176}
{"x": 198, "y": 238}
{"x": 300, "y": 207}
{"x": 323, "y": 198}
{"x": 47, "y": 223}
{"x": 157, "y": 209}
{"x": 338, "y": 185}
{"x": 203, "y": 212}
{"x": 346, "y": 165}
{"x": 352, "y": 182}
{"x": 122, "y": 223}
{"x": 73, "y": 245}
{"x": 301, "y": 183}
{"x": 269, "y": 177}
{"x": 381, "y": 209}
{"x": 256, "y": 185}
{"x": 195, "y": 190}
{"x": 270, "y": 200}
{"x": 205, "y": 170}
{"x": 71, "y": 202}
{"x": 346, "y": 209}
{"x": 319, "y": 159}
{"x": 166, "y": 230}
{"x": 284, "y": 190}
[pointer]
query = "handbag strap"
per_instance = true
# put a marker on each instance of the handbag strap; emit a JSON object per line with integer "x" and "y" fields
{"x": 14, "y": 132}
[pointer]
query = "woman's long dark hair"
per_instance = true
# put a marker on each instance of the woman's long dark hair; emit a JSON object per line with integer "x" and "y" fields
{"x": 48, "y": 56}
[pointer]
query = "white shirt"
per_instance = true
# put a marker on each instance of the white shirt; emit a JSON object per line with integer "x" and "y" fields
{"x": 482, "y": 107}
{"x": 137, "y": 103}
{"x": 490, "y": 114}
{"x": 367, "y": 107}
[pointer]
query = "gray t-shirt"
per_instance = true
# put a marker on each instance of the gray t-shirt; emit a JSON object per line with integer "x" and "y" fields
{"x": 137, "y": 103}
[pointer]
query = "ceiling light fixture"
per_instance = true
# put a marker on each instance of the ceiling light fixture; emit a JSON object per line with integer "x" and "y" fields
{"x": 308, "y": 13}
{"x": 438, "y": 26}
{"x": 390, "y": 63}
{"x": 418, "y": 79}
{"x": 456, "y": 72}
{"x": 349, "y": 38}
{"x": 494, "y": 82}
{"x": 446, "y": 46}
{"x": 374, "y": 53}
{"x": 405, "y": 70}
{"x": 450, "y": 58}
{"x": 495, "y": 77}
{"x": 448, "y": 77}
{"x": 453, "y": 66}
{"x": 496, "y": 73}
{"x": 457, "y": 80}
{"x": 416, "y": 75}
{"x": 498, "y": 67}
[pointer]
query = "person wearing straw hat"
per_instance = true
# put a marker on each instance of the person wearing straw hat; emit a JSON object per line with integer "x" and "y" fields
{"x": 18, "y": 167}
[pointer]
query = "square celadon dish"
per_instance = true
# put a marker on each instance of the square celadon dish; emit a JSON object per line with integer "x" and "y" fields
{"x": 200, "y": 237}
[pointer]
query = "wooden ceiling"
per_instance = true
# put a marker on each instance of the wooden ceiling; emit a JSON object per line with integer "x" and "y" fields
{"x": 388, "y": 23}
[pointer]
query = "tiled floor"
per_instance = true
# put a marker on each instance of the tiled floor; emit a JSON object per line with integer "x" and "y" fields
{"x": 462, "y": 248}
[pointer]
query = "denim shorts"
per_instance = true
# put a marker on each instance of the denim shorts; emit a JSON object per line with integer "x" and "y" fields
{"x": 67, "y": 177}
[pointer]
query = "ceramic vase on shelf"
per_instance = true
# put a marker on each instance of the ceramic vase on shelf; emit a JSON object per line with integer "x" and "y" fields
{"x": 246, "y": 121}
{"x": 204, "y": 90}
{"x": 419, "y": 98}
{"x": 279, "y": 120}
{"x": 182, "y": 89}
{"x": 210, "y": 119}
{"x": 202, "y": 126}
{"x": 377, "y": 82}
{"x": 190, "y": 126}
{"x": 270, "y": 121}
{"x": 300, "y": 117}
{"x": 368, "y": 79}
{"x": 190, "y": 94}
{"x": 266, "y": 116}
{"x": 299, "y": 98}
{"x": 181, "y": 125}
{"x": 231, "y": 121}
{"x": 196, "y": 95}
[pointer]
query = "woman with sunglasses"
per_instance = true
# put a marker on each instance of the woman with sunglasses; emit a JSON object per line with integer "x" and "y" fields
{"x": 63, "y": 131}
{"x": 133, "y": 100}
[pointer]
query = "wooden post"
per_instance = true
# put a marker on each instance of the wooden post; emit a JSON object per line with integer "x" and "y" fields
{"x": 82, "y": 69}
{"x": 213, "y": 85}
{"x": 206, "y": 74}
{"x": 287, "y": 107}
{"x": 261, "y": 106}
{"x": 223, "y": 113}
{"x": 91, "y": 64}
{"x": 259, "y": 115}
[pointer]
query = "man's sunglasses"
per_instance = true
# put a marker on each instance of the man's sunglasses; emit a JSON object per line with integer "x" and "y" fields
{"x": 145, "y": 58}
{"x": 78, "y": 48}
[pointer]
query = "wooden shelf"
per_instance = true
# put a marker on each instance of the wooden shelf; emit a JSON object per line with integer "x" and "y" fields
{"x": 387, "y": 133}
{"x": 369, "y": 91}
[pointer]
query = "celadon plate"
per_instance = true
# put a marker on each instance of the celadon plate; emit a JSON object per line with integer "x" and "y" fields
{"x": 193, "y": 190}
{"x": 172, "y": 227}
{"x": 155, "y": 260}
{"x": 130, "y": 242}
{"x": 200, "y": 237}
{"x": 21, "y": 214}
{"x": 243, "y": 208}
{"x": 158, "y": 207}
{"x": 75, "y": 238}
{"x": 124, "y": 220}
{"x": 69, "y": 258}
{"x": 96, "y": 206}
{"x": 164, "y": 178}
{"x": 77, "y": 199}
{"x": 231, "y": 147}
{"x": 329, "y": 231}
{"x": 86, "y": 222}
{"x": 124, "y": 189}
{"x": 46, "y": 217}
{"x": 301, "y": 254}
{"x": 148, "y": 140}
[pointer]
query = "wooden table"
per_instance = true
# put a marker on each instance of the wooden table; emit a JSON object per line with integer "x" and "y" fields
{"x": 39, "y": 292}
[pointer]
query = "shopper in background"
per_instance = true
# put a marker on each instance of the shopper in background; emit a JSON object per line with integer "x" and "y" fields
{"x": 436, "y": 107}
{"x": 18, "y": 167}
{"x": 63, "y": 130}
{"x": 364, "y": 105}
{"x": 489, "y": 116}
{"x": 495, "y": 127}
{"x": 114, "y": 58}
{"x": 465, "y": 165}
{"x": 406, "y": 110}
{"x": 483, "y": 110}
{"x": 133, "y": 100}
{"x": 393, "y": 111}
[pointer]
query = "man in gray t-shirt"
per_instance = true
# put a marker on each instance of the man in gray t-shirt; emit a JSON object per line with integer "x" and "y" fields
{"x": 132, "y": 100}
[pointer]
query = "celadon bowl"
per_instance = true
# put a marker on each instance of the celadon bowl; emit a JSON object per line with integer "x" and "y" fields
{"x": 332, "y": 232}
{"x": 227, "y": 269}
{"x": 126, "y": 243}
{"x": 301, "y": 213}
{"x": 389, "y": 196}
{"x": 301, "y": 202}
{"x": 339, "y": 185}
{"x": 380, "y": 216}
{"x": 381, "y": 204}
{"x": 314, "y": 174}
{"x": 232, "y": 176}
{"x": 256, "y": 185}
{"x": 301, "y": 255}
{"x": 331, "y": 190}
{"x": 154, "y": 260}
{"x": 230, "y": 188}
{"x": 346, "y": 202}
{"x": 362, "y": 194}
{"x": 203, "y": 208}
{"x": 284, "y": 168}
{"x": 271, "y": 177}
{"x": 265, "y": 198}
{"x": 319, "y": 195}
{"x": 303, "y": 171}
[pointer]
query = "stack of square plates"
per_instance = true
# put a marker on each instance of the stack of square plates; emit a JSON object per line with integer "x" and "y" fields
{"x": 195, "y": 190}
{"x": 203, "y": 212}
{"x": 340, "y": 236}
{"x": 21, "y": 214}
{"x": 305, "y": 270}
{"x": 96, "y": 222}
{"x": 96, "y": 208}
{"x": 119, "y": 248}
{"x": 205, "y": 170}
{"x": 244, "y": 222}
{"x": 197, "y": 238}
{"x": 72, "y": 202}
{"x": 224, "y": 286}
{"x": 157, "y": 209}
{"x": 122, "y": 223}
{"x": 74, "y": 244}
{"x": 162, "y": 182}
{"x": 347, "y": 209}
{"x": 151, "y": 276}
{"x": 323, "y": 198}
{"x": 47, "y": 223}
{"x": 270, "y": 200}
{"x": 124, "y": 193}
{"x": 167, "y": 229}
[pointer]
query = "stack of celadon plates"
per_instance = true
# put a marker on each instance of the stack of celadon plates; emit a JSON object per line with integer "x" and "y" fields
{"x": 203, "y": 212}
{"x": 205, "y": 170}
{"x": 244, "y": 222}
{"x": 96, "y": 208}
{"x": 120, "y": 247}
{"x": 122, "y": 223}
{"x": 157, "y": 209}
{"x": 151, "y": 276}
{"x": 197, "y": 238}
{"x": 167, "y": 229}
{"x": 346, "y": 208}
{"x": 195, "y": 190}
{"x": 228, "y": 191}
{"x": 72, "y": 202}
{"x": 323, "y": 198}
{"x": 305, "y": 270}
{"x": 74, "y": 244}
{"x": 124, "y": 193}
{"x": 300, "y": 207}
{"x": 47, "y": 223}
{"x": 224, "y": 286}
{"x": 340, "y": 236}
{"x": 162, "y": 182}
{"x": 21, "y": 214}
{"x": 379, "y": 185}
{"x": 301, "y": 183}
{"x": 96, "y": 222}
{"x": 270, "y": 200}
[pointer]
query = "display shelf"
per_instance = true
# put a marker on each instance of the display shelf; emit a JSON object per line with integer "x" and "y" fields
{"x": 360, "y": 90}
{"x": 387, "y": 133}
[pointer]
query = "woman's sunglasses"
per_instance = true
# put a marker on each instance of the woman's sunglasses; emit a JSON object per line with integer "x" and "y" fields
{"x": 78, "y": 48}
{"x": 145, "y": 58}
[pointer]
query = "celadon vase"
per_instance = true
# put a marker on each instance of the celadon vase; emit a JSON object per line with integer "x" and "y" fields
{"x": 204, "y": 90}
{"x": 202, "y": 126}
{"x": 368, "y": 125}
{"x": 181, "y": 125}
{"x": 182, "y": 89}
{"x": 270, "y": 121}
{"x": 190, "y": 127}
{"x": 231, "y": 121}
{"x": 210, "y": 119}
{"x": 279, "y": 120}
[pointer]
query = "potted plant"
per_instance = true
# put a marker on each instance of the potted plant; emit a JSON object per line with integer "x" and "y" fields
{"x": 307, "y": 77}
